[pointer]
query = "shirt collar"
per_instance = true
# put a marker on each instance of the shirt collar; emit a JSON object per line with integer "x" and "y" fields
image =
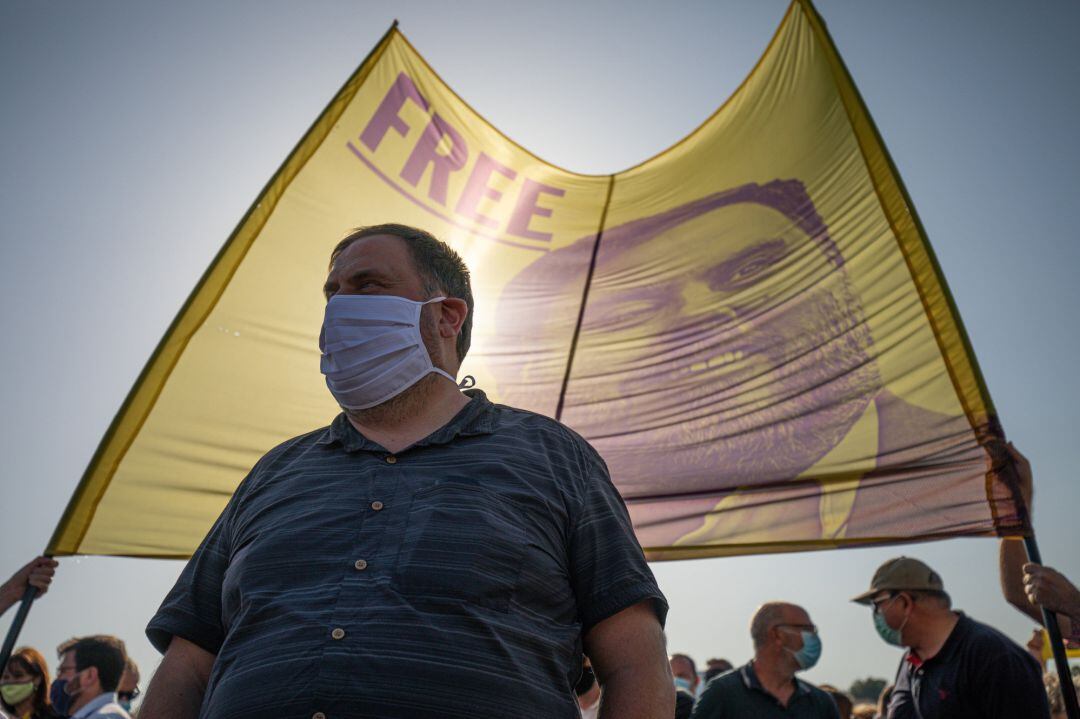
{"x": 476, "y": 417}
{"x": 99, "y": 701}
{"x": 948, "y": 649}
{"x": 963, "y": 626}
{"x": 751, "y": 681}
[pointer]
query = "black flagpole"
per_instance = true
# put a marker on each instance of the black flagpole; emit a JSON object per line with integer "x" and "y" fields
{"x": 16, "y": 626}
{"x": 1057, "y": 643}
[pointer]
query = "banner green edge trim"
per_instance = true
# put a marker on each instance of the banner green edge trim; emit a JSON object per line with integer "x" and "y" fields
{"x": 77, "y": 517}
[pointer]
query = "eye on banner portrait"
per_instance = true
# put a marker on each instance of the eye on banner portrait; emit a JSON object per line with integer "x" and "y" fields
{"x": 749, "y": 327}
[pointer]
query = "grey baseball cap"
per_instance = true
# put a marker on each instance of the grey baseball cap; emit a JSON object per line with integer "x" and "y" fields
{"x": 901, "y": 574}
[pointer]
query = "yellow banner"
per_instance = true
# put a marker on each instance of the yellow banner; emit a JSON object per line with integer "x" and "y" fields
{"x": 750, "y": 327}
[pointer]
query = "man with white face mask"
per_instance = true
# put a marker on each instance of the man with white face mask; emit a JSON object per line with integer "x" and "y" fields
{"x": 785, "y": 642}
{"x": 429, "y": 554}
{"x": 954, "y": 666}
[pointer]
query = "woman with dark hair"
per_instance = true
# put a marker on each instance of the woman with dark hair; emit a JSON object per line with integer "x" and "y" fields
{"x": 24, "y": 686}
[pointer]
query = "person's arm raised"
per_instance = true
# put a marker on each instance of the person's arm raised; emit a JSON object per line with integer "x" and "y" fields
{"x": 178, "y": 686}
{"x": 1011, "y": 555}
{"x": 1026, "y": 586}
{"x": 629, "y": 656}
{"x": 38, "y": 573}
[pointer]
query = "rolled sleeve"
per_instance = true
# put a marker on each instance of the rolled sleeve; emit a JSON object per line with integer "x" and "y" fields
{"x": 192, "y": 609}
{"x": 608, "y": 568}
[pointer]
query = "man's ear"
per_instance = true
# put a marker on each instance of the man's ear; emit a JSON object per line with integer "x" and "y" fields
{"x": 454, "y": 312}
{"x": 92, "y": 676}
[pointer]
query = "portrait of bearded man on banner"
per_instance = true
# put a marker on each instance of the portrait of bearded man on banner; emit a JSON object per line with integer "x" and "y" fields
{"x": 723, "y": 353}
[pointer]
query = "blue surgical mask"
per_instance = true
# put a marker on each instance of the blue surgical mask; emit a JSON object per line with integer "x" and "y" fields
{"x": 890, "y": 635}
{"x": 684, "y": 684}
{"x": 59, "y": 698}
{"x": 811, "y": 650}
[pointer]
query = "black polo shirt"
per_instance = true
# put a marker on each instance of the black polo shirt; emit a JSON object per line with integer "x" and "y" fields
{"x": 738, "y": 694}
{"x": 978, "y": 674}
{"x": 454, "y": 578}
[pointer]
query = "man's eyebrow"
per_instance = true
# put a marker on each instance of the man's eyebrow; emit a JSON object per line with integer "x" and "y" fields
{"x": 355, "y": 277}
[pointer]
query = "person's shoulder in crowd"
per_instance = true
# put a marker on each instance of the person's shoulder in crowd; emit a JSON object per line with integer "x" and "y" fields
{"x": 820, "y": 697}
{"x": 721, "y": 686}
{"x": 986, "y": 641}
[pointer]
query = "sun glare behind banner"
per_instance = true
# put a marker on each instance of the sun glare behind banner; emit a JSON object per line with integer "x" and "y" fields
{"x": 750, "y": 327}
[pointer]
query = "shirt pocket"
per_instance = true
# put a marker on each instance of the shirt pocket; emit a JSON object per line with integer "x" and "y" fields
{"x": 462, "y": 542}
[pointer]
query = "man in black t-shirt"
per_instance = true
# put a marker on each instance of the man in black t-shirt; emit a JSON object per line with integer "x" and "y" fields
{"x": 954, "y": 666}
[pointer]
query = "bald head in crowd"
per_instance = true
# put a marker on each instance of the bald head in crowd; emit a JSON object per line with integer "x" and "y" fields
{"x": 785, "y": 642}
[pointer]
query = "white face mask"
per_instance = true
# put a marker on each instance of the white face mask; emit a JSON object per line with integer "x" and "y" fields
{"x": 372, "y": 350}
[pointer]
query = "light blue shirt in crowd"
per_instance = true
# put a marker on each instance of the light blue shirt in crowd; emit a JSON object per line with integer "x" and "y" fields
{"x": 103, "y": 706}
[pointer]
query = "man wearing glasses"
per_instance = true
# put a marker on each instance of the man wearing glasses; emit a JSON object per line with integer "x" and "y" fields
{"x": 785, "y": 642}
{"x": 954, "y": 666}
{"x": 87, "y": 677}
{"x": 128, "y": 690}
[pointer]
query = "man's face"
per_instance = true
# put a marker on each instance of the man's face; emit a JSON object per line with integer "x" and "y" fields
{"x": 66, "y": 669}
{"x": 681, "y": 669}
{"x": 382, "y": 265}
{"x": 793, "y": 623}
{"x": 730, "y": 341}
{"x": 376, "y": 265}
{"x": 77, "y": 681}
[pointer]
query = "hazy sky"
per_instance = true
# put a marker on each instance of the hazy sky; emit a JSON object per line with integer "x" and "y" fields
{"x": 136, "y": 134}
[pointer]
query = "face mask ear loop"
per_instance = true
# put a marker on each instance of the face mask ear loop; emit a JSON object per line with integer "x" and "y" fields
{"x": 467, "y": 382}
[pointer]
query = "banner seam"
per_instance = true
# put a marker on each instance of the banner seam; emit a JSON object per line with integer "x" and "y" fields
{"x": 584, "y": 300}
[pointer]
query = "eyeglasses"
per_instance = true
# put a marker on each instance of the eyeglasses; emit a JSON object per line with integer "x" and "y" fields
{"x": 879, "y": 603}
{"x": 812, "y": 628}
{"x": 129, "y": 696}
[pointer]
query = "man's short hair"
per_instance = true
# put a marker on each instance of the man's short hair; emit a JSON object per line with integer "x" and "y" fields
{"x": 842, "y": 700}
{"x": 765, "y": 618}
{"x": 939, "y": 597}
{"x": 686, "y": 658}
{"x": 441, "y": 269}
{"x": 132, "y": 668}
{"x": 717, "y": 669}
{"x": 104, "y": 652}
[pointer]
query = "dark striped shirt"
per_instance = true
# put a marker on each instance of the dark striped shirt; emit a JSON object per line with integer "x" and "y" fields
{"x": 453, "y": 579}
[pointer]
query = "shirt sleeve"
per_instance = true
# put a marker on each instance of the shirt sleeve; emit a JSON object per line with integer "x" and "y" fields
{"x": 901, "y": 702}
{"x": 192, "y": 610}
{"x": 607, "y": 567}
{"x": 830, "y": 708}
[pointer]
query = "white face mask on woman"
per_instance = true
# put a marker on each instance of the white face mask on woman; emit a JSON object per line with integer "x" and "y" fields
{"x": 372, "y": 349}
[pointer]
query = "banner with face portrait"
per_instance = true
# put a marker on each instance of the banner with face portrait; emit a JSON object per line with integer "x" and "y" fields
{"x": 750, "y": 327}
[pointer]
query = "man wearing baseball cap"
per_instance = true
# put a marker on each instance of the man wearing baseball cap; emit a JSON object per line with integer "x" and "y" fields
{"x": 954, "y": 666}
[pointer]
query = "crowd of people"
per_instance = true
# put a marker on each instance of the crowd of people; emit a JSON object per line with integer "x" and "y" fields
{"x": 945, "y": 652}
{"x": 434, "y": 554}
{"x": 94, "y": 679}
{"x": 953, "y": 666}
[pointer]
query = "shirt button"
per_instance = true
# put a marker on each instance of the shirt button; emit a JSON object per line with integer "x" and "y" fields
{"x": 376, "y": 505}
{"x": 338, "y": 633}
{"x": 360, "y": 564}
{"x": 391, "y": 459}
{"x": 318, "y": 715}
